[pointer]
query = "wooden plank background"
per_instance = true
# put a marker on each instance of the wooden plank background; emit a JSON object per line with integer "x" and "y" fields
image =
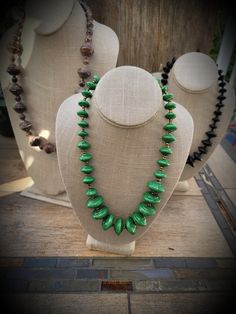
{"x": 153, "y": 31}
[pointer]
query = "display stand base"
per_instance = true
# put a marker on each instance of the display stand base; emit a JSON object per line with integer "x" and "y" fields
{"x": 60, "y": 199}
{"x": 125, "y": 249}
{"x": 188, "y": 187}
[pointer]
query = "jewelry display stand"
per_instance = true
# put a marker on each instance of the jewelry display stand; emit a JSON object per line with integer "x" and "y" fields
{"x": 52, "y": 35}
{"x": 126, "y": 119}
{"x": 59, "y": 199}
{"x": 194, "y": 82}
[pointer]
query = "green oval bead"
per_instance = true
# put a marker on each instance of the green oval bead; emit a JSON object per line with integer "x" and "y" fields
{"x": 166, "y": 150}
{"x": 85, "y": 157}
{"x": 170, "y": 105}
{"x": 139, "y": 219}
{"x": 160, "y": 174}
{"x": 170, "y": 115}
{"x": 146, "y": 210}
{"x": 84, "y": 103}
{"x": 130, "y": 225}
{"x": 168, "y": 138}
{"x": 118, "y": 226}
{"x": 83, "y": 145}
{"x": 168, "y": 97}
{"x": 150, "y": 198}
{"x": 96, "y": 78}
{"x": 86, "y": 93}
{"x": 108, "y": 222}
{"x": 100, "y": 213}
{"x": 163, "y": 162}
{"x": 83, "y": 133}
{"x": 87, "y": 169}
{"x": 164, "y": 88}
{"x": 82, "y": 113}
{"x": 170, "y": 127}
{"x": 91, "y": 85}
{"x": 156, "y": 186}
{"x": 95, "y": 202}
{"x": 91, "y": 192}
{"x": 88, "y": 180}
{"x": 83, "y": 124}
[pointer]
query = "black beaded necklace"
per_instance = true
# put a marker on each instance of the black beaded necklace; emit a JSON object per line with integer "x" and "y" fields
{"x": 210, "y": 134}
{"x": 14, "y": 69}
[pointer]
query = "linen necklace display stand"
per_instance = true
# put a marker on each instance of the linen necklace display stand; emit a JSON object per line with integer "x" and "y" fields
{"x": 52, "y": 36}
{"x": 194, "y": 80}
{"x": 126, "y": 120}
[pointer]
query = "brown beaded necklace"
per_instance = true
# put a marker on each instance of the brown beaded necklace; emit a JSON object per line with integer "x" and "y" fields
{"x": 14, "y": 69}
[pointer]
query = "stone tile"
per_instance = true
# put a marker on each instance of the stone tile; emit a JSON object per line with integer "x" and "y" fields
{"x": 220, "y": 285}
{"x": 73, "y": 262}
{"x": 226, "y": 263}
{"x": 205, "y": 274}
{"x": 127, "y": 263}
{"x": 30, "y": 274}
{"x": 66, "y": 303}
{"x": 40, "y": 262}
{"x": 182, "y": 285}
{"x": 13, "y": 285}
{"x": 64, "y": 286}
{"x": 142, "y": 274}
{"x": 92, "y": 274}
{"x": 201, "y": 262}
{"x": 11, "y": 261}
{"x": 169, "y": 262}
{"x": 147, "y": 285}
{"x": 181, "y": 303}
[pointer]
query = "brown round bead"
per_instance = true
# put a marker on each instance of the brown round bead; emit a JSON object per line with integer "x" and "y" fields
{"x": 19, "y": 107}
{"x": 34, "y": 140}
{"x": 86, "y": 60}
{"x": 89, "y": 31}
{"x": 15, "y": 38}
{"x": 15, "y": 48}
{"x": 49, "y": 148}
{"x": 12, "y": 69}
{"x": 26, "y": 126}
{"x": 82, "y": 83}
{"x": 17, "y": 98}
{"x": 86, "y": 49}
{"x": 22, "y": 116}
{"x": 16, "y": 89}
{"x": 84, "y": 72}
{"x": 12, "y": 47}
{"x": 19, "y": 32}
{"x": 90, "y": 22}
{"x": 14, "y": 79}
{"x": 88, "y": 38}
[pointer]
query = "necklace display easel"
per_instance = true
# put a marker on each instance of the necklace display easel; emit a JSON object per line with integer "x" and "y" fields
{"x": 126, "y": 125}
{"x": 51, "y": 40}
{"x": 194, "y": 82}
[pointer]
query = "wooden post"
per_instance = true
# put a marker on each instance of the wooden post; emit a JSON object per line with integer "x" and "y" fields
{"x": 151, "y": 32}
{"x": 227, "y": 44}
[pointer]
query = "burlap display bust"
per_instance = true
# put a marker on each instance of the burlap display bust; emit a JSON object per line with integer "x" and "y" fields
{"x": 194, "y": 82}
{"x": 126, "y": 119}
{"x": 52, "y": 35}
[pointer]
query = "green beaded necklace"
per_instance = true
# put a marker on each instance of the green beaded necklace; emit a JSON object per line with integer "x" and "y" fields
{"x": 150, "y": 198}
